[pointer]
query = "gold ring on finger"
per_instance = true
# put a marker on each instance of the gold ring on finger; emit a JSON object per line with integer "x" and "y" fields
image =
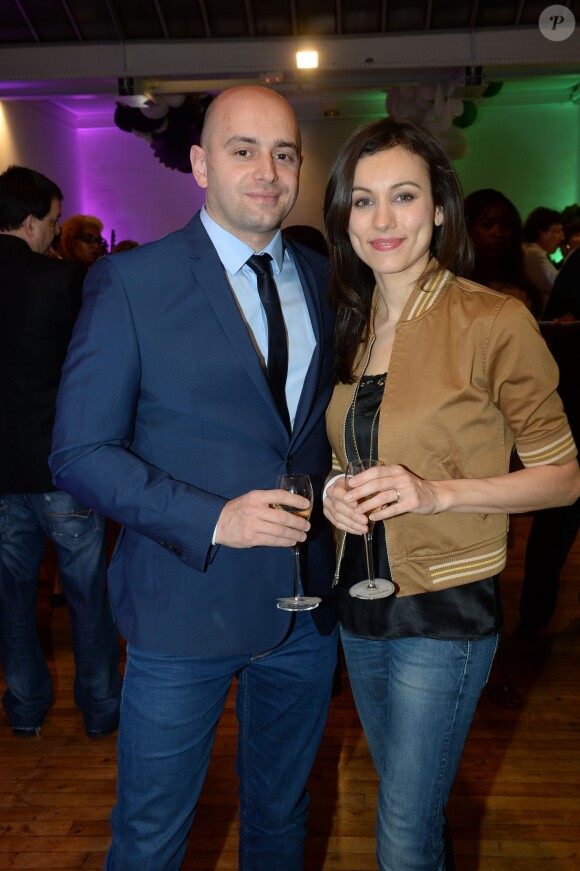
{"x": 397, "y": 494}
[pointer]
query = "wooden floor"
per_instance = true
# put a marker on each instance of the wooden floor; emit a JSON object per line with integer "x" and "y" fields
{"x": 515, "y": 804}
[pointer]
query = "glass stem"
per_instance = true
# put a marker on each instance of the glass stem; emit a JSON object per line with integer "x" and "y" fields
{"x": 369, "y": 553}
{"x": 296, "y": 564}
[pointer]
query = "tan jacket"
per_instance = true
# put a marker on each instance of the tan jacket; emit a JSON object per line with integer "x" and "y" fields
{"x": 469, "y": 377}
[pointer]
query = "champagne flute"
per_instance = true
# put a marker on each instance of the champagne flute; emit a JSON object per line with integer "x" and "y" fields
{"x": 372, "y": 587}
{"x": 301, "y": 485}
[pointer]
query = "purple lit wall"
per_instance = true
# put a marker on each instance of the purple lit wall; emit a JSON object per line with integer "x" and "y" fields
{"x": 102, "y": 171}
{"x": 31, "y": 136}
{"x": 124, "y": 185}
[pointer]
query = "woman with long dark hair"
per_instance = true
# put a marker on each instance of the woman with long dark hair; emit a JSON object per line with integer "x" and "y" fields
{"x": 437, "y": 380}
{"x": 495, "y": 227}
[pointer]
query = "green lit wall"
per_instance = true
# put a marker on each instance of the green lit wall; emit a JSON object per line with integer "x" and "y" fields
{"x": 530, "y": 153}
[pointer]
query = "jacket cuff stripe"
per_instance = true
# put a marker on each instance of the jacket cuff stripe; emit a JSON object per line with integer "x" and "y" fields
{"x": 484, "y": 565}
{"x": 558, "y": 449}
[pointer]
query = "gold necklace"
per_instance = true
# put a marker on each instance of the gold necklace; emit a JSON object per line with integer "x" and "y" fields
{"x": 356, "y": 389}
{"x": 373, "y": 424}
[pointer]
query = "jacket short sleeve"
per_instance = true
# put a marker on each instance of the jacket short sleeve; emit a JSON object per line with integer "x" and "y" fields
{"x": 522, "y": 379}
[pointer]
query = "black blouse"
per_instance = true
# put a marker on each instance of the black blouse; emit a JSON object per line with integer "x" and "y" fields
{"x": 466, "y": 612}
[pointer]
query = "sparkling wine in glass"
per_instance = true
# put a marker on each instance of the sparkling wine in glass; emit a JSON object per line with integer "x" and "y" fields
{"x": 301, "y": 485}
{"x": 372, "y": 587}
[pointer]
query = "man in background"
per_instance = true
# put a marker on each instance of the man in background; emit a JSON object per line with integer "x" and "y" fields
{"x": 39, "y": 301}
{"x": 554, "y": 530}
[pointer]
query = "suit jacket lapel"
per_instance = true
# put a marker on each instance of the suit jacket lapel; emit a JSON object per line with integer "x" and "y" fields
{"x": 209, "y": 275}
{"x": 311, "y": 381}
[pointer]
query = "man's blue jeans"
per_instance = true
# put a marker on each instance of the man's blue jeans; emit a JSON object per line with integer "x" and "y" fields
{"x": 78, "y": 534}
{"x": 416, "y": 698}
{"x": 169, "y": 713}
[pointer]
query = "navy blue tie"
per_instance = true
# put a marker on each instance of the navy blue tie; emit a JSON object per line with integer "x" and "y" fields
{"x": 277, "y": 367}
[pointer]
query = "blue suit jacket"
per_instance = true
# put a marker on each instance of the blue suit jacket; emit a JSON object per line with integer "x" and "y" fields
{"x": 164, "y": 413}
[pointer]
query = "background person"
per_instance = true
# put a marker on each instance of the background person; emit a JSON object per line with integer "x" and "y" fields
{"x": 307, "y": 235}
{"x": 571, "y": 237}
{"x": 39, "y": 302}
{"x": 495, "y": 228}
{"x": 124, "y": 245}
{"x": 542, "y": 234}
{"x": 81, "y": 239}
{"x": 438, "y": 378}
{"x": 564, "y": 299}
{"x": 168, "y": 417}
{"x": 554, "y": 530}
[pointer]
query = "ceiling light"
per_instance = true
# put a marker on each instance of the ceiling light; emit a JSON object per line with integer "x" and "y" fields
{"x": 307, "y": 60}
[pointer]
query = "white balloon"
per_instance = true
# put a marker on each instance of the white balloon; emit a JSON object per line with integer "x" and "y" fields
{"x": 156, "y": 110}
{"x": 422, "y": 101}
{"x": 175, "y": 100}
{"x": 394, "y": 101}
{"x": 427, "y": 92}
{"x": 456, "y": 107}
{"x": 401, "y": 106}
{"x": 455, "y": 143}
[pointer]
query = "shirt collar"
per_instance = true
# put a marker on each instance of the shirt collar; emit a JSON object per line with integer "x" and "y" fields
{"x": 233, "y": 252}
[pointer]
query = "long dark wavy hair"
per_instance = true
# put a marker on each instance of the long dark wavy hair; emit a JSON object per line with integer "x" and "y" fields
{"x": 352, "y": 281}
{"x": 476, "y": 205}
{"x": 509, "y": 267}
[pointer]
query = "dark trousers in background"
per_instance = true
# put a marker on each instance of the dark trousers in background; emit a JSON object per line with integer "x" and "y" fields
{"x": 78, "y": 534}
{"x": 552, "y": 535}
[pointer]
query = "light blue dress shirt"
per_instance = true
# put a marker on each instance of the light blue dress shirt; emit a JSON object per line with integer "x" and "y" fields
{"x": 233, "y": 254}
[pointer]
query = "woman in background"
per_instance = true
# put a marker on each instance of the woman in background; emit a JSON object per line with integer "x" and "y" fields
{"x": 81, "y": 239}
{"x": 437, "y": 378}
{"x": 495, "y": 228}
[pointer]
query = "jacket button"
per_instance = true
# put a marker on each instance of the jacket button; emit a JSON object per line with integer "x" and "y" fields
{"x": 289, "y": 462}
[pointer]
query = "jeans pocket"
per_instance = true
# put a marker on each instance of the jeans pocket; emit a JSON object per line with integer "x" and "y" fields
{"x": 69, "y": 518}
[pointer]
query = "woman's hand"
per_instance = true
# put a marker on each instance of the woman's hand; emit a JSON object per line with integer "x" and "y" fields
{"x": 386, "y": 491}
{"x": 343, "y": 515}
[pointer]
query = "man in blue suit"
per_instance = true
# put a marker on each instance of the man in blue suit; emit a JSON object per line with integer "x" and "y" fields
{"x": 167, "y": 422}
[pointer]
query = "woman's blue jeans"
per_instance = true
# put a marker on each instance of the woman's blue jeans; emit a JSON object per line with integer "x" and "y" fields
{"x": 78, "y": 534}
{"x": 416, "y": 698}
{"x": 169, "y": 713}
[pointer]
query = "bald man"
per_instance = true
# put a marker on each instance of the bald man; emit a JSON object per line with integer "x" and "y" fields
{"x": 186, "y": 394}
